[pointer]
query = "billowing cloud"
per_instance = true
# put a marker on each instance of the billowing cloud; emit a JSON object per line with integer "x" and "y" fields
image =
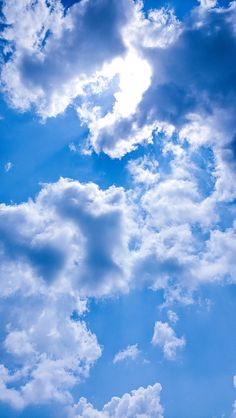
{"x": 67, "y": 244}
{"x": 135, "y": 74}
{"x": 48, "y": 352}
{"x": 164, "y": 232}
{"x": 143, "y": 402}
{"x": 75, "y": 241}
{"x": 50, "y": 61}
{"x": 72, "y": 232}
{"x": 134, "y": 78}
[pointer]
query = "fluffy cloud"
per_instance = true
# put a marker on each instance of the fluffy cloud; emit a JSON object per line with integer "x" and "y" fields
{"x": 71, "y": 231}
{"x": 220, "y": 248}
{"x": 34, "y": 74}
{"x": 197, "y": 84}
{"x": 165, "y": 338}
{"x": 68, "y": 244}
{"x": 99, "y": 242}
{"x": 129, "y": 353}
{"x": 48, "y": 352}
{"x": 122, "y": 69}
{"x": 140, "y": 403}
{"x": 76, "y": 240}
{"x": 193, "y": 94}
{"x": 134, "y": 78}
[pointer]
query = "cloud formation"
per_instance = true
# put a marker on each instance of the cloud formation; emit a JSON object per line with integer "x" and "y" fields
{"x": 76, "y": 240}
{"x": 129, "y": 353}
{"x": 48, "y": 352}
{"x": 143, "y": 402}
{"x": 34, "y": 74}
{"x": 130, "y": 57}
{"x": 72, "y": 233}
{"x": 66, "y": 245}
{"x": 133, "y": 78}
{"x": 165, "y": 338}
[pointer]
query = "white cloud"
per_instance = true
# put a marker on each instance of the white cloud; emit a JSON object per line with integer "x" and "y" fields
{"x": 165, "y": 338}
{"x": 218, "y": 262}
{"x": 116, "y": 65}
{"x": 125, "y": 80}
{"x": 129, "y": 353}
{"x": 75, "y": 241}
{"x": 140, "y": 403}
{"x": 208, "y": 4}
{"x": 72, "y": 231}
{"x": 144, "y": 170}
{"x": 52, "y": 352}
{"x": 172, "y": 316}
{"x": 99, "y": 242}
{"x": 53, "y": 255}
{"x": 8, "y": 166}
{"x": 34, "y": 74}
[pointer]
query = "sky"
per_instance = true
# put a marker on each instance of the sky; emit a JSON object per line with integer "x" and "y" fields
{"x": 117, "y": 209}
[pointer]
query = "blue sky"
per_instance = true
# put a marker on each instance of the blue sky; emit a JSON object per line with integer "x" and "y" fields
{"x": 117, "y": 218}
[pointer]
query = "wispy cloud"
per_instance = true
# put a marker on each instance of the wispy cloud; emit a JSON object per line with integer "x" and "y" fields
{"x": 129, "y": 353}
{"x": 8, "y": 166}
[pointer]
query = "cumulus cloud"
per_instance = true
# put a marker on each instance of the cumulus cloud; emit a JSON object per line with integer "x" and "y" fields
{"x": 71, "y": 230}
{"x": 100, "y": 241}
{"x": 52, "y": 352}
{"x": 220, "y": 248}
{"x": 143, "y": 402}
{"x": 197, "y": 85}
{"x": 144, "y": 170}
{"x": 165, "y": 338}
{"x": 129, "y": 353}
{"x": 133, "y": 78}
{"x": 84, "y": 38}
{"x": 55, "y": 251}
{"x": 186, "y": 91}
{"x": 122, "y": 69}
{"x": 76, "y": 240}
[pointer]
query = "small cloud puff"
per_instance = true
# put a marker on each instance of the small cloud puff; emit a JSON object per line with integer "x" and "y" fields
{"x": 8, "y": 166}
{"x": 172, "y": 316}
{"x": 165, "y": 338}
